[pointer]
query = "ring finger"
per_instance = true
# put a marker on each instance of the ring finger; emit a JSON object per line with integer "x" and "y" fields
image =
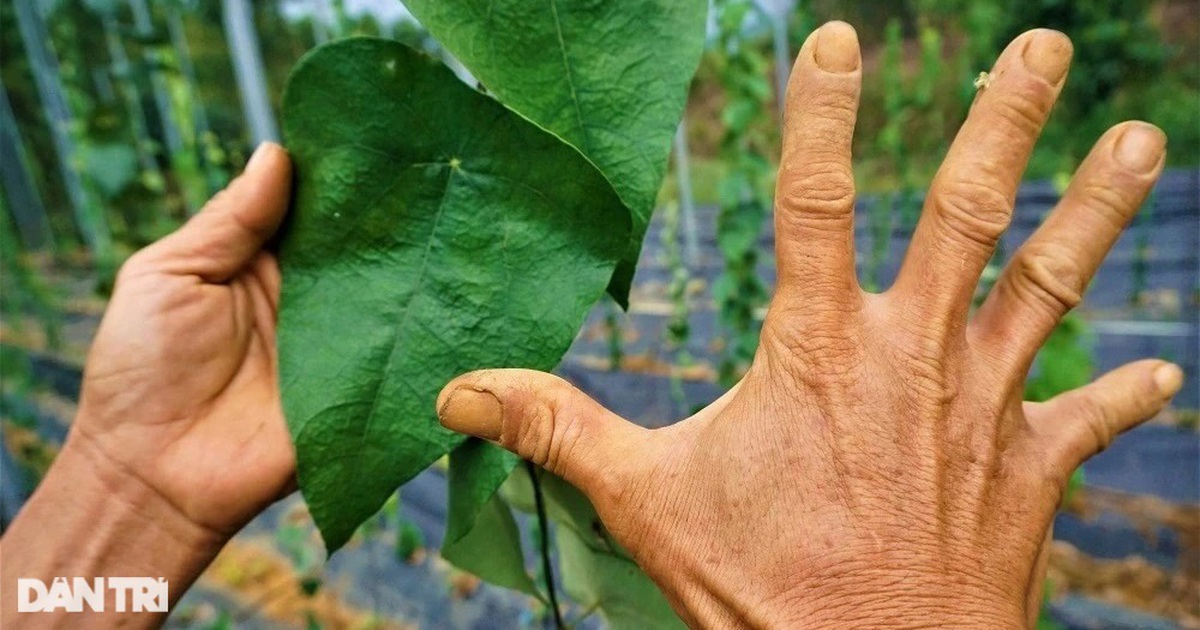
{"x": 1050, "y": 272}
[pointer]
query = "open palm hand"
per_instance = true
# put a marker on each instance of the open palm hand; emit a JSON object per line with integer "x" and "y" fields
{"x": 180, "y": 390}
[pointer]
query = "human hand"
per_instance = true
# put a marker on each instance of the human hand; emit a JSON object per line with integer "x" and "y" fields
{"x": 876, "y": 466}
{"x": 180, "y": 393}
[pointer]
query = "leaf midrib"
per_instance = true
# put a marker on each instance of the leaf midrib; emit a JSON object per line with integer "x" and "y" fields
{"x": 407, "y": 309}
{"x": 562, "y": 47}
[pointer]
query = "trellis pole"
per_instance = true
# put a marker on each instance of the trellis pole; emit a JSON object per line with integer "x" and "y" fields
{"x": 44, "y": 65}
{"x": 24, "y": 202}
{"x": 128, "y": 89}
{"x": 162, "y": 99}
{"x": 776, "y": 12}
{"x": 248, "y": 69}
{"x": 184, "y": 53}
{"x": 683, "y": 178}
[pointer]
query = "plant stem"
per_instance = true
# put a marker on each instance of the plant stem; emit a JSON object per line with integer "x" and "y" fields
{"x": 544, "y": 527}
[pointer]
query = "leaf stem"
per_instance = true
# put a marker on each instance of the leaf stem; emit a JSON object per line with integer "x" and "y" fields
{"x": 544, "y": 530}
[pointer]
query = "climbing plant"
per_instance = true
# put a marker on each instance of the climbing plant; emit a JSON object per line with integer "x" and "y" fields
{"x": 744, "y": 199}
{"x": 678, "y": 329}
{"x": 439, "y": 228}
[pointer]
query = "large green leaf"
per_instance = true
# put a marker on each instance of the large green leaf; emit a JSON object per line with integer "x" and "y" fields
{"x": 481, "y": 535}
{"x": 477, "y": 469}
{"x": 597, "y": 572}
{"x": 492, "y": 549}
{"x": 608, "y": 77}
{"x": 433, "y": 231}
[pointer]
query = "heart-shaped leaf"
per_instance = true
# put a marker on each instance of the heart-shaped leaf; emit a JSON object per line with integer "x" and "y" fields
{"x": 433, "y": 232}
{"x": 610, "y": 78}
{"x": 492, "y": 549}
{"x": 597, "y": 572}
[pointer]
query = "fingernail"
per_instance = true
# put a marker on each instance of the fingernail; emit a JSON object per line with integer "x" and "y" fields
{"x": 1169, "y": 379}
{"x": 1140, "y": 148}
{"x": 472, "y": 412}
{"x": 837, "y": 48}
{"x": 259, "y": 156}
{"x": 1048, "y": 55}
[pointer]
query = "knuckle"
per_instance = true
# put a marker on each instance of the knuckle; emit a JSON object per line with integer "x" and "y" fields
{"x": 1111, "y": 199}
{"x": 832, "y": 106}
{"x": 834, "y": 110}
{"x": 561, "y": 442}
{"x": 1047, "y": 274}
{"x": 544, "y": 429}
{"x": 820, "y": 355}
{"x": 1024, "y": 108}
{"x": 531, "y": 435}
{"x": 817, "y": 191}
{"x": 1096, "y": 421}
{"x": 974, "y": 208}
{"x": 929, "y": 364}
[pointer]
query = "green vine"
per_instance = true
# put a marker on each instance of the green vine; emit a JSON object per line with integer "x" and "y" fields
{"x": 612, "y": 330}
{"x": 743, "y": 71}
{"x": 1140, "y": 264}
{"x": 543, "y": 527}
{"x": 678, "y": 328}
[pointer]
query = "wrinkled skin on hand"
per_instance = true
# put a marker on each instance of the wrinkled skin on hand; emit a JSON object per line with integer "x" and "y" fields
{"x": 180, "y": 391}
{"x": 876, "y": 467}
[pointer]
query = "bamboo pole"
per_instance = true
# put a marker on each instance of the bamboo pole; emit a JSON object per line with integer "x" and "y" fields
{"x": 93, "y": 230}
{"x": 246, "y": 55}
{"x": 144, "y": 25}
{"x": 683, "y": 178}
{"x": 128, "y": 89}
{"x": 24, "y": 202}
{"x": 184, "y": 52}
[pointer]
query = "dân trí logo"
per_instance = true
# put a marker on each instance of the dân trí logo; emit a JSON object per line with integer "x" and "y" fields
{"x": 130, "y": 594}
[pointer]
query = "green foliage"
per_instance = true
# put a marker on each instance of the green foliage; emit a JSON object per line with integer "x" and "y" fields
{"x": 1064, "y": 362}
{"x": 609, "y": 78}
{"x": 91, "y": 220}
{"x": 597, "y": 572}
{"x": 491, "y": 549}
{"x": 111, "y": 167}
{"x": 612, "y": 326}
{"x": 409, "y": 540}
{"x": 742, "y": 68}
{"x": 476, "y": 470}
{"x": 23, "y": 293}
{"x": 438, "y": 230}
{"x": 678, "y": 328}
{"x": 1122, "y": 69}
{"x": 1112, "y": 41}
{"x": 428, "y": 215}
{"x": 291, "y": 538}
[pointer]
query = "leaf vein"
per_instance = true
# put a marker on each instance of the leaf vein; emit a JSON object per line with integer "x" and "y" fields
{"x": 562, "y": 46}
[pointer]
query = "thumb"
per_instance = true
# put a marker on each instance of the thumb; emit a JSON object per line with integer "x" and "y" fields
{"x": 233, "y": 226}
{"x": 1084, "y": 421}
{"x": 546, "y": 420}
